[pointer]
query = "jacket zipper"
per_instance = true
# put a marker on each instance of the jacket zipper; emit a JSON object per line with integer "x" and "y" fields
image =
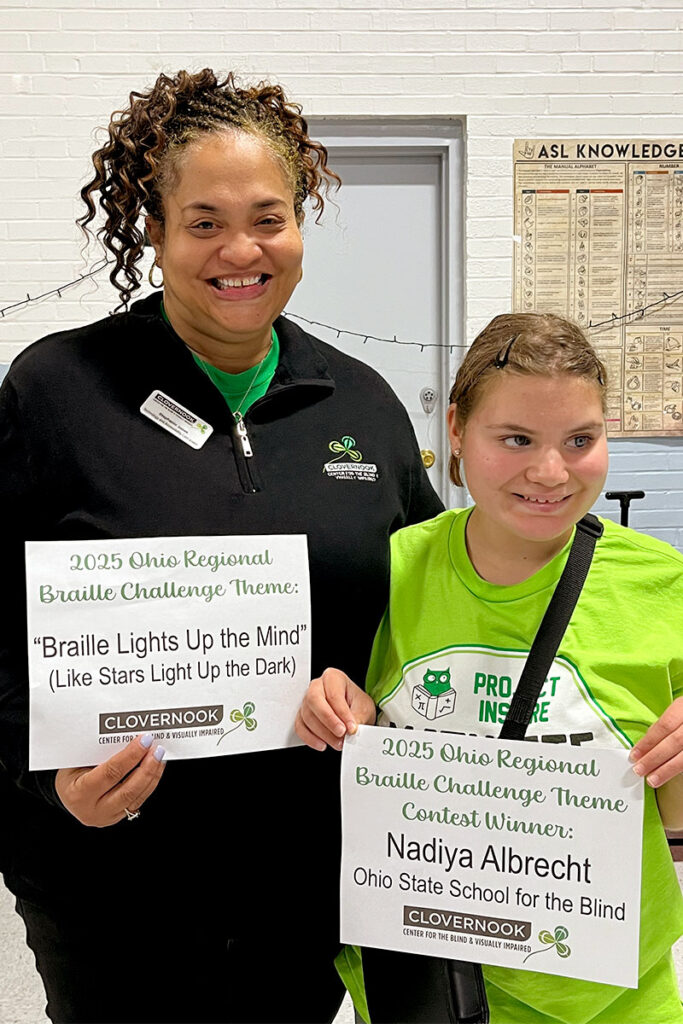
{"x": 246, "y": 451}
{"x": 243, "y": 436}
{"x": 243, "y": 450}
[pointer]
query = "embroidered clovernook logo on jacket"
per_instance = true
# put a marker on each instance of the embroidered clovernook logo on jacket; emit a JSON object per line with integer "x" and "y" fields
{"x": 348, "y": 464}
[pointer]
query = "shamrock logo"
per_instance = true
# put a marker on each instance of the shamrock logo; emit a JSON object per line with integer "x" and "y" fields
{"x": 345, "y": 447}
{"x": 202, "y": 427}
{"x": 240, "y": 718}
{"x": 555, "y": 939}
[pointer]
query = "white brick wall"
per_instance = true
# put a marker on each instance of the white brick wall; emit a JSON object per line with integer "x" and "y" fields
{"x": 512, "y": 68}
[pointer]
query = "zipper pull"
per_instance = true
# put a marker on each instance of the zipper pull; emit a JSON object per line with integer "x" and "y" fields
{"x": 243, "y": 436}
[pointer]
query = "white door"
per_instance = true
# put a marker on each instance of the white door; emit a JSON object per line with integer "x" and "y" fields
{"x": 379, "y": 265}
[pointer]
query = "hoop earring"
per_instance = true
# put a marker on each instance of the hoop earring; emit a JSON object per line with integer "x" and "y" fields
{"x": 150, "y": 276}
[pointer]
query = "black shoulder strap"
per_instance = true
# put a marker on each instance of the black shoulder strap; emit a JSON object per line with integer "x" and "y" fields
{"x": 552, "y": 629}
{"x": 450, "y": 991}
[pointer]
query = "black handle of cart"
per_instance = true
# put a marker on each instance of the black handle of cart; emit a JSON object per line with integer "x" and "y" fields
{"x": 624, "y": 498}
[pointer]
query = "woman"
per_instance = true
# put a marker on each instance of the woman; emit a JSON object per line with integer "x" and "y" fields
{"x": 192, "y": 912}
{"x": 526, "y": 423}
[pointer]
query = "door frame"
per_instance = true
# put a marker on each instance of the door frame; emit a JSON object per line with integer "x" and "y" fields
{"x": 443, "y": 138}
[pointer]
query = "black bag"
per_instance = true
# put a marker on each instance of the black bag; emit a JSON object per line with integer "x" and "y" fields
{"x": 402, "y": 988}
{"x": 409, "y": 988}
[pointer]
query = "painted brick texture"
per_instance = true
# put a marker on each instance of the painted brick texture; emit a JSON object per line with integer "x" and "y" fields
{"x": 509, "y": 68}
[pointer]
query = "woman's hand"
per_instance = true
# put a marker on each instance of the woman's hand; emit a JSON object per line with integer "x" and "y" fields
{"x": 109, "y": 792}
{"x": 333, "y": 706}
{"x": 659, "y": 758}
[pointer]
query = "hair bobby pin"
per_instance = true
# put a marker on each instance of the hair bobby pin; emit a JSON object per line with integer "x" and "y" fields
{"x": 503, "y": 356}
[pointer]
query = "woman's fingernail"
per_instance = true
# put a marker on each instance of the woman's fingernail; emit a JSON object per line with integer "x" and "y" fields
{"x": 159, "y": 753}
{"x": 351, "y": 728}
{"x": 340, "y": 729}
{"x": 652, "y": 780}
{"x": 146, "y": 740}
{"x": 638, "y": 769}
{"x": 634, "y": 754}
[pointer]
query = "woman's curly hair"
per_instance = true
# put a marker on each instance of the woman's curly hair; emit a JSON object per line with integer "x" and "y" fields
{"x": 139, "y": 162}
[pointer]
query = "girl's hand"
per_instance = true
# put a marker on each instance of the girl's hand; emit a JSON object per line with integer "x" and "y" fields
{"x": 114, "y": 789}
{"x": 659, "y": 755}
{"x": 333, "y": 706}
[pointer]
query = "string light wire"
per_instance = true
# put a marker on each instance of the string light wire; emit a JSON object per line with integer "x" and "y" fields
{"x": 22, "y": 303}
{"x": 422, "y": 345}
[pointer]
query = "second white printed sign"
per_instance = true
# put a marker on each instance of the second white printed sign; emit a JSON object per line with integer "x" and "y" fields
{"x": 499, "y": 852}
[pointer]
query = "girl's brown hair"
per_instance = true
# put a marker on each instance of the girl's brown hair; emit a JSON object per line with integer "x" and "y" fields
{"x": 139, "y": 162}
{"x": 538, "y": 344}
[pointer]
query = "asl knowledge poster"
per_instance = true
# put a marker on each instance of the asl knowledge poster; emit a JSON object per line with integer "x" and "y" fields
{"x": 599, "y": 239}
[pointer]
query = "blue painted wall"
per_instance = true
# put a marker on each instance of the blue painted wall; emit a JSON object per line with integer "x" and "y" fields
{"x": 653, "y": 465}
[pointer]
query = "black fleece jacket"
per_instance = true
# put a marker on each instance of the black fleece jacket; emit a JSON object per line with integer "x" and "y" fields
{"x": 79, "y": 460}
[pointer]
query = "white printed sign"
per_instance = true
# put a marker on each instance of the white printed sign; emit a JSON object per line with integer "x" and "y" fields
{"x": 500, "y": 852}
{"x": 202, "y": 641}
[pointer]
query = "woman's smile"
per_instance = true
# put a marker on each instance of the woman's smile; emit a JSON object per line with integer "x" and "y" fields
{"x": 236, "y": 289}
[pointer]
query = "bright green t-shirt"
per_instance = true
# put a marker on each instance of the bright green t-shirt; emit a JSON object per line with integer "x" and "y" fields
{"x": 617, "y": 669}
{"x": 240, "y": 390}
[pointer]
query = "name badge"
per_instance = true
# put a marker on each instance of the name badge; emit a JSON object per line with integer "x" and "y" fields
{"x": 175, "y": 418}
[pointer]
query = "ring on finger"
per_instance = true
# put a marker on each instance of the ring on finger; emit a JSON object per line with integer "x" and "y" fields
{"x": 131, "y": 815}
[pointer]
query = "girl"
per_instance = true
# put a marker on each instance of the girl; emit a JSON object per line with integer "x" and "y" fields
{"x": 468, "y": 592}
